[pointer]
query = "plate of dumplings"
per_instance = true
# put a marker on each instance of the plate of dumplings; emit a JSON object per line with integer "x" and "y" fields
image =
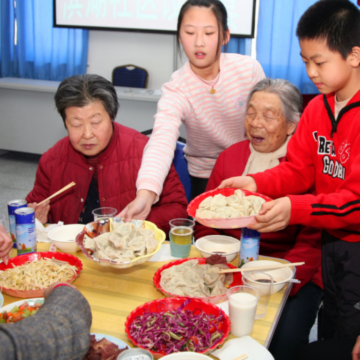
{"x": 114, "y": 243}
{"x": 227, "y": 208}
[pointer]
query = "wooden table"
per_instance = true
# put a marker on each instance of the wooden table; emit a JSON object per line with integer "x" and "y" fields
{"x": 114, "y": 293}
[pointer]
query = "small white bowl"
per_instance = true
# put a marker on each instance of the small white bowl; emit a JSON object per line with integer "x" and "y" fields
{"x": 281, "y": 276}
{"x": 218, "y": 244}
{"x": 186, "y": 355}
{"x": 64, "y": 237}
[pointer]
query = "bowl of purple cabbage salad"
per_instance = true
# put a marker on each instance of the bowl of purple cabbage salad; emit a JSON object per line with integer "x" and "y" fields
{"x": 170, "y": 325}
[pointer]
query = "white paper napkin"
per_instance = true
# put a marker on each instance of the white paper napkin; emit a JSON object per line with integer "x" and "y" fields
{"x": 239, "y": 346}
{"x": 163, "y": 254}
{"x": 41, "y": 231}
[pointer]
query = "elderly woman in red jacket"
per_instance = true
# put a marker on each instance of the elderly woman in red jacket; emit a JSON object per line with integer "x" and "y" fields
{"x": 273, "y": 111}
{"x": 101, "y": 156}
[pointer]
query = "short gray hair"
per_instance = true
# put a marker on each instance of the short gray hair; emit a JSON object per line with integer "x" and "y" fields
{"x": 82, "y": 90}
{"x": 289, "y": 94}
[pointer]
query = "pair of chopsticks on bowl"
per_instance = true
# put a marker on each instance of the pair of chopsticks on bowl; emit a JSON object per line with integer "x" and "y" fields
{"x": 260, "y": 268}
{"x": 58, "y": 192}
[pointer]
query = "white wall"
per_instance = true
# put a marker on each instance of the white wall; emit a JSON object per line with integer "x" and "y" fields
{"x": 154, "y": 52}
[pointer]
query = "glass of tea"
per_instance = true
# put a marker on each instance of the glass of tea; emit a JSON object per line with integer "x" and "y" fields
{"x": 181, "y": 234}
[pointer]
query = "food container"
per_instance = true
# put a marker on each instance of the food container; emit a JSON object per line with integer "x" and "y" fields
{"x": 218, "y": 244}
{"x": 171, "y": 304}
{"x": 212, "y": 299}
{"x": 280, "y": 276}
{"x": 232, "y": 223}
{"x": 64, "y": 237}
{"x": 21, "y": 260}
{"x": 135, "y": 354}
{"x": 99, "y": 227}
{"x": 187, "y": 355}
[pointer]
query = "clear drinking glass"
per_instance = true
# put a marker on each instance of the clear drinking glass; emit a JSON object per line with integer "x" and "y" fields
{"x": 104, "y": 213}
{"x": 181, "y": 234}
{"x": 242, "y": 308}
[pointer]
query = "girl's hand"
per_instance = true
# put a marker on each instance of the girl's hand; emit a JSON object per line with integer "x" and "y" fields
{"x": 240, "y": 182}
{"x": 273, "y": 216}
{"x": 6, "y": 244}
{"x": 140, "y": 207}
{"x": 41, "y": 211}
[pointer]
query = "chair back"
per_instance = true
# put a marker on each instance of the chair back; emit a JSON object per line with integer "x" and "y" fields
{"x": 181, "y": 166}
{"x": 130, "y": 76}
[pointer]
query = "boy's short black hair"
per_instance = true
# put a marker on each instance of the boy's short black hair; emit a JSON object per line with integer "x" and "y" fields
{"x": 335, "y": 21}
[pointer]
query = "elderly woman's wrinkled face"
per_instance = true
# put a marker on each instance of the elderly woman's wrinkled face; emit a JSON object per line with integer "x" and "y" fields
{"x": 265, "y": 124}
{"x": 89, "y": 127}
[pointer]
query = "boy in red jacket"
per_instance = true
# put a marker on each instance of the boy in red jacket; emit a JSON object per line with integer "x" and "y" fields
{"x": 324, "y": 153}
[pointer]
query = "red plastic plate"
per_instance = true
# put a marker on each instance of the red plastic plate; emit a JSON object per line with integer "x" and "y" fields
{"x": 161, "y": 305}
{"x": 233, "y": 223}
{"x": 213, "y": 299}
{"x": 22, "y": 259}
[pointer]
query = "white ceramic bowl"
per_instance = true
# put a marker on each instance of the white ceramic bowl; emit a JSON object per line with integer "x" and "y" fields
{"x": 218, "y": 244}
{"x": 280, "y": 276}
{"x": 185, "y": 356}
{"x": 64, "y": 237}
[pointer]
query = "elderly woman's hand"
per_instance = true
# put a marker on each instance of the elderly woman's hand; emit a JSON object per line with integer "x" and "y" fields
{"x": 41, "y": 211}
{"x": 6, "y": 244}
{"x": 240, "y": 182}
{"x": 273, "y": 216}
{"x": 140, "y": 207}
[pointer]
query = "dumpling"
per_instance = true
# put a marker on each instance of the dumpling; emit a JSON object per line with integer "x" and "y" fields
{"x": 218, "y": 202}
{"x": 137, "y": 243}
{"x": 150, "y": 244}
{"x": 205, "y": 204}
{"x": 211, "y": 275}
{"x": 239, "y": 194}
{"x": 192, "y": 278}
{"x": 112, "y": 253}
{"x": 89, "y": 243}
{"x": 233, "y": 199}
{"x": 119, "y": 241}
{"x": 102, "y": 241}
{"x": 256, "y": 202}
{"x": 205, "y": 214}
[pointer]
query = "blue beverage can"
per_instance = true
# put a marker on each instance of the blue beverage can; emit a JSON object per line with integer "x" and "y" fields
{"x": 250, "y": 245}
{"x": 12, "y": 206}
{"x": 25, "y": 230}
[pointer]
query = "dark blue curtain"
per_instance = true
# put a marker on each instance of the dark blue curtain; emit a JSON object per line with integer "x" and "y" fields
{"x": 277, "y": 46}
{"x": 41, "y": 52}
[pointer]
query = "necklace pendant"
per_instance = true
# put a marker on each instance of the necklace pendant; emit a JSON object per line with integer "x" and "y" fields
{"x": 212, "y": 91}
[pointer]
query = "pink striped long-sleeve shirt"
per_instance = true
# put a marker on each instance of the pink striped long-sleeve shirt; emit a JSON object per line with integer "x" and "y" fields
{"x": 213, "y": 122}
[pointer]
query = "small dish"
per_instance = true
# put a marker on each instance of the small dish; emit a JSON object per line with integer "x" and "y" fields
{"x": 231, "y": 223}
{"x": 218, "y": 244}
{"x": 64, "y": 237}
{"x": 280, "y": 276}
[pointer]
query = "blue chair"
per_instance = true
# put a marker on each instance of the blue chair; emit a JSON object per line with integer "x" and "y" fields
{"x": 181, "y": 166}
{"x": 130, "y": 76}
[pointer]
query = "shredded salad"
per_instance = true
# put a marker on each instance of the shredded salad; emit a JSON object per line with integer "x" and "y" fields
{"x": 36, "y": 275}
{"x": 20, "y": 312}
{"x": 180, "y": 330}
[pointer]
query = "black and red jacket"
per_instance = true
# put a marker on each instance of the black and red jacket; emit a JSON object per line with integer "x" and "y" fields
{"x": 324, "y": 154}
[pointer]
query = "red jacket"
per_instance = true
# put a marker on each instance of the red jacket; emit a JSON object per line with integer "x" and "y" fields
{"x": 323, "y": 154}
{"x": 295, "y": 243}
{"x": 117, "y": 172}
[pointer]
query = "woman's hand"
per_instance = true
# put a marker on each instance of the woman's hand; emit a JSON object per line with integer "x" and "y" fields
{"x": 273, "y": 216}
{"x": 240, "y": 182}
{"x": 41, "y": 211}
{"x": 140, "y": 207}
{"x": 356, "y": 351}
{"x": 6, "y": 244}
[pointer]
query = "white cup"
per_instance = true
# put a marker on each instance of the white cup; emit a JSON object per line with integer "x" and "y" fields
{"x": 104, "y": 213}
{"x": 242, "y": 308}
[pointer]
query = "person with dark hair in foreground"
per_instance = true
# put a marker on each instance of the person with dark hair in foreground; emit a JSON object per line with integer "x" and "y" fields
{"x": 60, "y": 330}
{"x": 101, "y": 156}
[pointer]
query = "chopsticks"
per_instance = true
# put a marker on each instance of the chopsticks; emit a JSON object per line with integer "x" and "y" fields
{"x": 58, "y": 192}
{"x": 260, "y": 268}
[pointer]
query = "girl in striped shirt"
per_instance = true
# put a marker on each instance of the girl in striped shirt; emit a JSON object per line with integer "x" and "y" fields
{"x": 208, "y": 94}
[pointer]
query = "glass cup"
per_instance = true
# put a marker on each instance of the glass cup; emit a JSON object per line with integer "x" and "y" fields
{"x": 104, "y": 213}
{"x": 263, "y": 282}
{"x": 2, "y": 220}
{"x": 181, "y": 234}
{"x": 243, "y": 301}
